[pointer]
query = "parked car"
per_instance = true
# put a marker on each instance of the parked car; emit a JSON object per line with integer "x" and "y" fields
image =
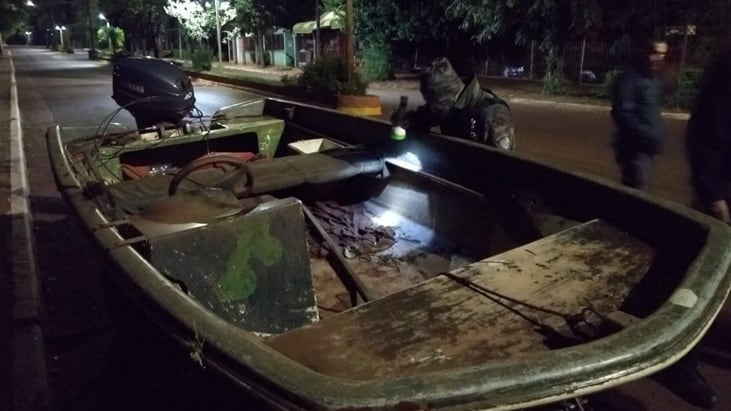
{"x": 588, "y": 76}
{"x": 513, "y": 71}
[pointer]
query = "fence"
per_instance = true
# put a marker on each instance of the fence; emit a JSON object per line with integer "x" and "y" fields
{"x": 584, "y": 61}
{"x": 588, "y": 61}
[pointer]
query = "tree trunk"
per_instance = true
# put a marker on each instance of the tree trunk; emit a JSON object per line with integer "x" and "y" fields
{"x": 56, "y": 41}
{"x": 155, "y": 46}
{"x": 259, "y": 49}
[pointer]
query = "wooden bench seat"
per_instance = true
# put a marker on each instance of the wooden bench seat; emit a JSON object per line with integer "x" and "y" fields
{"x": 449, "y": 322}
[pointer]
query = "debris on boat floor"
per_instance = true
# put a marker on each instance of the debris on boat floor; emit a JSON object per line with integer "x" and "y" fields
{"x": 386, "y": 258}
{"x": 352, "y": 228}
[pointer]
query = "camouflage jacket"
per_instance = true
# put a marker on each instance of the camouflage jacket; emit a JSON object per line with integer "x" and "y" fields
{"x": 475, "y": 113}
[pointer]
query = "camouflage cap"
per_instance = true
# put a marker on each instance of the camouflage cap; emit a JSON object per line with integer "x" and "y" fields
{"x": 440, "y": 82}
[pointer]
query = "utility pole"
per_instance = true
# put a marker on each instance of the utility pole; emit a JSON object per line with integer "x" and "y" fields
{"x": 581, "y": 63}
{"x": 91, "y": 29}
{"x": 180, "y": 41}
{"x": 218, "y": 32}
{"x": 349, "y": 42}
{"x": 317, "y": 30}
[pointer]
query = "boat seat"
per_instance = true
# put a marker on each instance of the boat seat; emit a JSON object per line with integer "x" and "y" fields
{"x": 132, "y": 196}
{"x": 270, "y": 175}
{"x": 471, "y": 315}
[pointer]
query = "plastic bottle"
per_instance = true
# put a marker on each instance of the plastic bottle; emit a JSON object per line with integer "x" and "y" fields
{"x": 398, "y": 133}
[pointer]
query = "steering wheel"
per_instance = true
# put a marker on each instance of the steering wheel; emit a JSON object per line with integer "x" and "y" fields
{"x": 233, "y": 169}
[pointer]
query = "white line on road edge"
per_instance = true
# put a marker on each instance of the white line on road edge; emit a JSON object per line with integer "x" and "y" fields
{"x": 587, "y": 107}
{"x": 30, "y": 377}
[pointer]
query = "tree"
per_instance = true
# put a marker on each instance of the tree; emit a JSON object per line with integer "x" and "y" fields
{"x": 191, "y": 15}
{"x": 14, "y": 16}
{"x": 550, "y": 23}
{"x": 143, "y": 21}
{"x": 258, "y": 16}
{"x": 380, "y": 22}
{"x": 653, "y": 18}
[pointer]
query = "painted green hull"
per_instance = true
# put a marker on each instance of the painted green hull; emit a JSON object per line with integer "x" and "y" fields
{"x": 690, "y": 251}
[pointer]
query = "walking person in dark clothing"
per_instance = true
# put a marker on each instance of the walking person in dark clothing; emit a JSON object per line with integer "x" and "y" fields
{"x": 636, "y": 108}
{"x": 708, "y": 146}
{"x": 708, "y": 140}
{"x": 636, "y": 105}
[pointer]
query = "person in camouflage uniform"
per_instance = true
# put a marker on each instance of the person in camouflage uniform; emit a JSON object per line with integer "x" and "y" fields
{"x": 461, "y": 110}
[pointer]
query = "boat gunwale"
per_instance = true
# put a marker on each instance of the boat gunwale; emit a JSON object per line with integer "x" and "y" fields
{"x": 502, "y": 384}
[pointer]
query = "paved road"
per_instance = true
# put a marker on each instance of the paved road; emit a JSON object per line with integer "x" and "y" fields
{"x": 579, "y": 137}
{"x": 93, "y": 365}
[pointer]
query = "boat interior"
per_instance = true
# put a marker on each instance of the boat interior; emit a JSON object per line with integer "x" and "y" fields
{"x": 328, "y": 251}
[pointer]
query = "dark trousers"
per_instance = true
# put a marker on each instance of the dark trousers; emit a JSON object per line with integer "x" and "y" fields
{"x": 703, "y": 207}
{"x": 634, "y": 166}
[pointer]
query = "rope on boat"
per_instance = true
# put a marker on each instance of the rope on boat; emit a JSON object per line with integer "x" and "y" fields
{"x": 572, "y": 320}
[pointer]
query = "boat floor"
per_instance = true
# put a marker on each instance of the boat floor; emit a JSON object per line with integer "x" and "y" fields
{"x": 388, "y": 252}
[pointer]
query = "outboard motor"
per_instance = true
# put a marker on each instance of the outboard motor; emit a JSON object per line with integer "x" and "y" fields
{"x": 152, "y": 90}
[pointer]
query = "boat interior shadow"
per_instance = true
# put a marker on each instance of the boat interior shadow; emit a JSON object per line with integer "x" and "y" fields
{"x": 615, "y": 400}
{"x": 658, "y": 284}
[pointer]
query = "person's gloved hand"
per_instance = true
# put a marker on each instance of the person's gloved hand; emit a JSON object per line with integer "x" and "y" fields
{"x": 499, "y": 130}
{"x": 719, "y": 209}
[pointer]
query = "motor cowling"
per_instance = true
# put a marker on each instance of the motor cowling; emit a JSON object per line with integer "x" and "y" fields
{"x": 154, "y": 91}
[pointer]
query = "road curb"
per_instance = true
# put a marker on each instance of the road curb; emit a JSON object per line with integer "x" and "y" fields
{"x": 30, "y": 388}
{"x": 587, "y": 107}
{"x": 281, "y": 93}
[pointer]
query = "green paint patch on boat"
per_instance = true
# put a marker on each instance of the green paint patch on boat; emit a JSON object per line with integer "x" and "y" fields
{"x": 254, "y": 246}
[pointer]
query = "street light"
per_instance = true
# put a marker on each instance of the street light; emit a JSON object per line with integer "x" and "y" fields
{"x": 30, "y": 3}
{"x": 109, "y": 38}
{"x": 60, "y": 33}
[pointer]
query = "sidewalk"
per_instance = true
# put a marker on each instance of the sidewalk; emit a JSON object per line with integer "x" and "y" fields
{"x": 515, "y": 91}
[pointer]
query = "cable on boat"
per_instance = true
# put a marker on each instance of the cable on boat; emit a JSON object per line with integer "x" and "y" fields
{"x": 101, "y": 129}
{"x": 108, "y": 119}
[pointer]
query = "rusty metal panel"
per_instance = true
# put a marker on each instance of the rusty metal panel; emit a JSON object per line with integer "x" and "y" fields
{"x": 252, "y": 269}
{"x": 505, "y": 306}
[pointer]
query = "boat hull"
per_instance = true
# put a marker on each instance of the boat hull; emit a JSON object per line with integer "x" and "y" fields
{"x": 692, "y": 250}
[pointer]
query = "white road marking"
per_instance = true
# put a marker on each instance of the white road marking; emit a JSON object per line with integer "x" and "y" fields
{"x": 24, "y": 264}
